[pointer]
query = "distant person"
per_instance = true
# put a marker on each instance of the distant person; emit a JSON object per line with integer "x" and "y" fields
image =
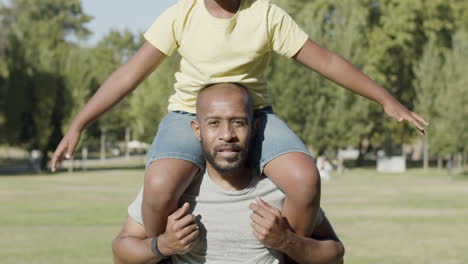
{"x": 324, "y": 167}
{"x": 226, "y": 41}
{"x": 230, "y": 227}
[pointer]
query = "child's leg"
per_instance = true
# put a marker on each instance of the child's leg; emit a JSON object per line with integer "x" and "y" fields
{"x": 296, "y": 174}
{"x": 287, "y": 162}
{"x": 174, "y": 158}
{"x": 165, "y": 182}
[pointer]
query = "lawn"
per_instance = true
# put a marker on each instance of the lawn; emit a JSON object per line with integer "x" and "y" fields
{"x": 414, "y": 217}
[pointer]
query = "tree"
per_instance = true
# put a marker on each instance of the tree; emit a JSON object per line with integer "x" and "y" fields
{"x": 36, "y": 50}
{"x": 322, "y": 114}
{"x": 79, "y": 80}
{"x": 4, "y": 23}
{"x": 450, "y": 128}
{"x": 381, "y": 37}
{"x": 399, "y": 28}
{"x": 111, "y": 52}
{"x": 148, "y": 104}
{"x": 428, "y": 86}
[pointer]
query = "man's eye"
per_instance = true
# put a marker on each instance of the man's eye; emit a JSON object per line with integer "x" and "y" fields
{"x": 213, "y": 123}
{"x": 239, "y": 123}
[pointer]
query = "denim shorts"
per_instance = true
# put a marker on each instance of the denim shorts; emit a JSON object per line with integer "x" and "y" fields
{"x": 175, "y": 139}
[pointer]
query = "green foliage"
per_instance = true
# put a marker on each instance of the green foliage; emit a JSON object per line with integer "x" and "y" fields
{"x": 398, "y": 32}
{"x": 441, "y": 84}
{"x": 408, "y": 46}
{"x": 110, "y": 53}
{"x": 149, "y": 101}
{"x": 36, "y": 51}
{"x": 320, "y": 112}
{"x": 450, "y": 126}
{"x": 384, "y": 38}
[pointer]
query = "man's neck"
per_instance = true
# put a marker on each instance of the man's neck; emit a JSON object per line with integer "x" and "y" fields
{"x": 234, "y": 181}
{"x": 222, "y": 8}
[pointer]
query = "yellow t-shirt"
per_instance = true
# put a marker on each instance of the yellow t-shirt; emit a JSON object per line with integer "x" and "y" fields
{"x": 215, "y": 50}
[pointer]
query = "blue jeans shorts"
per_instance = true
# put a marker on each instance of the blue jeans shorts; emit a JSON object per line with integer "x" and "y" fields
{"x": 175, "y": 139}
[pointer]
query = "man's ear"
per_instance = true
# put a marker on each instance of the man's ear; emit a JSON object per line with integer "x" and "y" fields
{"x": 196, "y": 128}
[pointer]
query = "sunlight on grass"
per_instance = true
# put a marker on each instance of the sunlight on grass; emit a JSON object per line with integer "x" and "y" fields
{"x": 416, "y": 217}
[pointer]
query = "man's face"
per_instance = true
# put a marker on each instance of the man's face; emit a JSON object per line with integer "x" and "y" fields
{"x": 224, "y": 129}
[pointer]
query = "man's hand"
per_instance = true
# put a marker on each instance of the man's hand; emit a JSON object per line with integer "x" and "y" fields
{"x": 181, "y": 233}
{"x": 400, "y": 113}
{"x": 66, "y": 146}
{"x": 268, "y": 225}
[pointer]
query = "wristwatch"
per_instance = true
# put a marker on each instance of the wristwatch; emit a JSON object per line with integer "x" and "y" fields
{"x": 155, "y": 249}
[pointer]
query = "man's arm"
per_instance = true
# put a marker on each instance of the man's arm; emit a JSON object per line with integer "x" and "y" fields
{"x": 323, "y": 247}
{"x": 342, "y": 72}
{"x": 272, "y": 229}
{"x": 132, "y": 246}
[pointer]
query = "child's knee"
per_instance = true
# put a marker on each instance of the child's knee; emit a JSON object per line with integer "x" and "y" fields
{"x": 167, "y": 181}
{"x": 158, "y": 186}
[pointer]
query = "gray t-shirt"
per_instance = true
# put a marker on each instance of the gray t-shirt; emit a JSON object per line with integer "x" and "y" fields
{"x": 226, "y": 235}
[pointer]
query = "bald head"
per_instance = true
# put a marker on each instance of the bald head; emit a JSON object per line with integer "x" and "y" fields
{"x": 222, "y": 93}
{"x": 224, "y": 126}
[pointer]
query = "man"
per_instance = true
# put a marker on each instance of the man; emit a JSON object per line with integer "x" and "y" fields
{"x": 228, "y": 226}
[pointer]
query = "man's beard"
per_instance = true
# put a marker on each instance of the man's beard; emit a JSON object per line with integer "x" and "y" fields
{"x": 234, "y": 163}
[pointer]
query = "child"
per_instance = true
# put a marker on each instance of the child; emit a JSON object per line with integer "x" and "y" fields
{"x": 226, "y": 41}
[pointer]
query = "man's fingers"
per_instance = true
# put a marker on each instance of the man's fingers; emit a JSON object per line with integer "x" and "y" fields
{"x": 189, "y": 242}
{"x": 260, "y": 221}
{"x": 179, "y": 213}
{"x": 258, "y": 236}
{"x": 187, "y": 230}
{"x": 257, "y": 218}
{"x": 190, "y": 238}
{"x": 184, "y": 221}
{"x": 261, "y": 211}
{"x": 267, "y": 206}
{"x": 258, "y": 228}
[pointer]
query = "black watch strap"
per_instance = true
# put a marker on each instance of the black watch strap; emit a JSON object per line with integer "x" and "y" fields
{"x": 155, "y": 249}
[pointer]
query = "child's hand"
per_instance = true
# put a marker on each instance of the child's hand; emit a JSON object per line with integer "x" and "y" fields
{"x": 400, "y": 113}
{"x": 67, "y": 145}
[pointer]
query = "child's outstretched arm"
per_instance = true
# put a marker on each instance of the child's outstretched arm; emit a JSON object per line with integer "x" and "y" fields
{"x": 120, "y": 83}
{"x": 339, "y": 70}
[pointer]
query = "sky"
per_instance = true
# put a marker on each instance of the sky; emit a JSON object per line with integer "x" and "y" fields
{"x": 135, "y": 15}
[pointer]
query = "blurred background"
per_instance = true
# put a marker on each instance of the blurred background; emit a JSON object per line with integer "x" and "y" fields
{"x": 394, "y": 196}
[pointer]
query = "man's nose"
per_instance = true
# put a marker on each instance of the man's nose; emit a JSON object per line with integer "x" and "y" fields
{"x": 226, "y": 132}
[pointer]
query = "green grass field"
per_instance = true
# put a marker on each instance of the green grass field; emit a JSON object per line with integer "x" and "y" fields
{"x": 381, "y": 218}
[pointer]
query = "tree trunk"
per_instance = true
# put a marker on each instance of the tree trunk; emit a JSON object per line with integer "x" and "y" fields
{"x": 459, "y": 162}
{"x": 43, "y": 163}
{"x": 360, "y": 158}
{"x": 340, "y": 166}
{"x": 71, "y": 164}
{"x": 103, "y": 144}
{"x": 465, "y": 157}
{"x": 425, "y": 154}
{"x": 440, "y": 163}
{"x": 127, "y": 140}
{"x": 449, "y": 164}
{"x": 84, "y": 158}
